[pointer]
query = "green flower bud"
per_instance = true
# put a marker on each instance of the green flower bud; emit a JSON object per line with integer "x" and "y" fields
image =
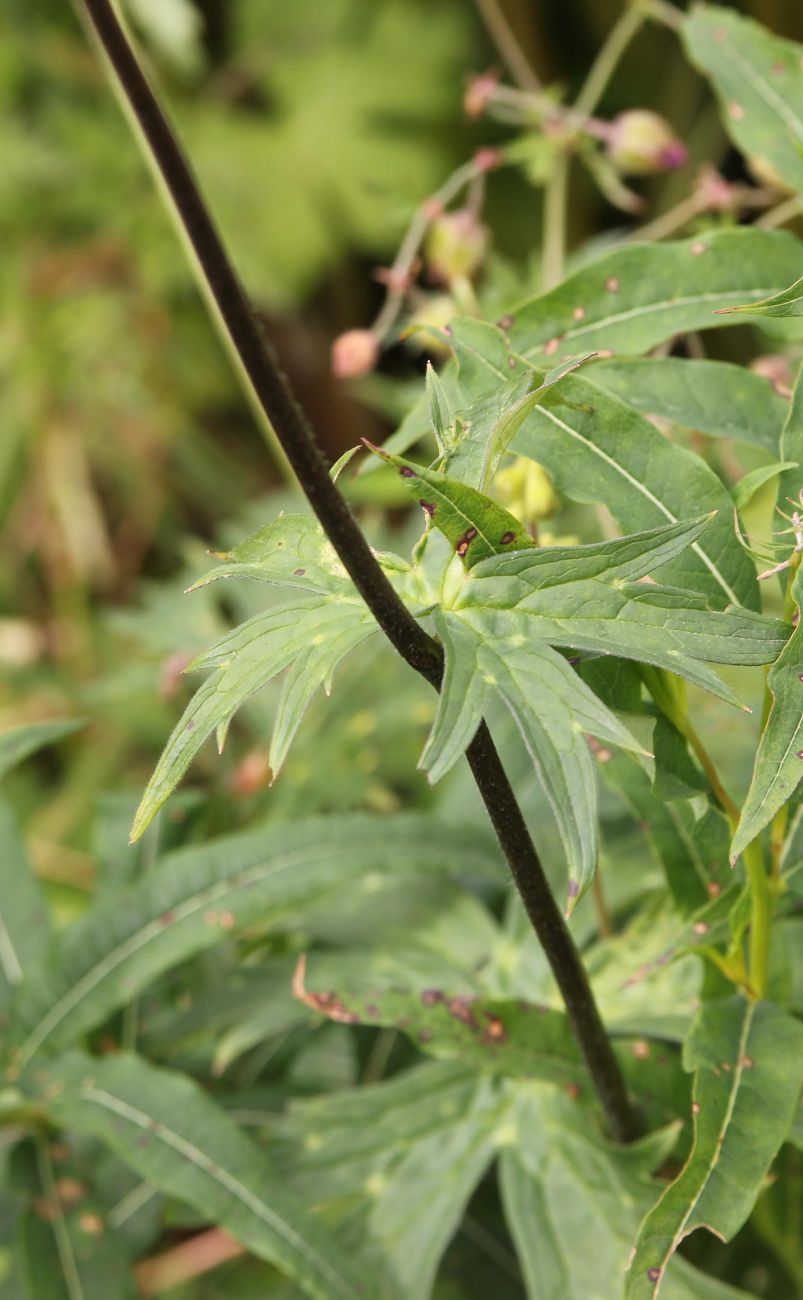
{"x": 525, "y": 489}
{"x": 641, "y": 142}
{"x": 456, "y": 246}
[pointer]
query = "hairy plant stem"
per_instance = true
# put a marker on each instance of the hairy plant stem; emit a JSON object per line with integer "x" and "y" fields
{"x": 395, "y": 620}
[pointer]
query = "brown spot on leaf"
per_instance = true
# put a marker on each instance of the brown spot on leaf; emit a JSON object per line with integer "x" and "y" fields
{"x": 736, "y": 111}
{"x": 91, "y": 1224}
{"x": 695, "y": 1108}
{"x": 495, "y": 1031}
{"x": 641, "y": 1049}
{"x": 460, "y": 1008}
{"x": 299, "y": 572}
{"x": 428, "y": 506}
{"x": 505, "y": 322}
{"x": 698, "y": 247}
{"x": 507, "y": 538}
{"x": 551, "y": 347}
{"x": 463, "y": 543}
{"x": 747, "y": 1062}
{"x": 406, "y": 472}
{"x": 425, "y": 1036}
{"x": 430, "y": 996}
{"x": 653, "y": 1274}
{"x": 579, "y": 313}
{"x": 612, "y": 284}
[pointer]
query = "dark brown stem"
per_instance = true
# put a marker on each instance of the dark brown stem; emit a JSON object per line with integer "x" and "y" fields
{"x": 395, "y": 620}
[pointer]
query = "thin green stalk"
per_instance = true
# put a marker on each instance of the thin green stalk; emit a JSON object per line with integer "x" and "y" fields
{"x": 619, "y": 37}
{"x": 761, "y": 901}
{"x": 555, "y": 213}
{"x": 504, "y": 38}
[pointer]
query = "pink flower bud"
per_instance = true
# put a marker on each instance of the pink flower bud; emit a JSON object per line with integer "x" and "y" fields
{"x": 354, "y": 353}
{"x": 456, "y": 245}
{"x": 641, "y": 142}
{"x": 479, "y": 93}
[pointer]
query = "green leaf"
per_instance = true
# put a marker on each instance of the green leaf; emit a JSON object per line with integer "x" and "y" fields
{"x": 18, "y": 743}
{"x": 199, "y": 896}
{"x": 515, "y": 1038}
{"x": 393, "y": 1166}
{"x": 758, "y": 80}
{"x": 292, "y": 551}
{"x": 584, "y": 597}
{"x": 640, "y": 294}
{"x": 712, "y": 397}
{"x": 441, "y": 415}
{"x": 24, "y": 918}
{"x": 690, "y": 844}
{"x": 778, "y": 765}
{"x": 789, "y": 302}
{"x": 313, "y": 635}
{"x": 747, "y": 1057}
{"x": 562, "y": 1183}
{"x": 490, "y": 425}
{"x": 476, "y": 526}
{"x": 596, "y": 448}
{"x": 163, "y": 1125}
{"x": 747, "y": 486}
{"x": 553, "y": 709}
{"x": 66, "y": 1247}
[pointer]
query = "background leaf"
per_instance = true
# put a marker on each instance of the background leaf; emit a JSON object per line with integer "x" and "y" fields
{"x": 163, "y": 1126}
{"x": 758, "y": 79}
{"x": 638, "y": 295}
{"x": 748, "y": 1058}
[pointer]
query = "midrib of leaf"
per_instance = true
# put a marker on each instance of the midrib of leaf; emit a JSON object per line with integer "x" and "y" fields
{"x": 9, "y": 960}
{"x": 136, "y": 942}
{"x": 215, "y": 1171}
{"x": 650, "y": 308}
{"x": 64, "y": 1248}
{"x": 645, "y": 491}
{"x": 763, "y": 88}
{"x": 738, "y": 1071}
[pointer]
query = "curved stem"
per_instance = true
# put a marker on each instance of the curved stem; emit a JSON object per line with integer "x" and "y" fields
{"x": 395, "y": 620}
{"x": 504, "y": 39}
{"x": 619, "y": 37}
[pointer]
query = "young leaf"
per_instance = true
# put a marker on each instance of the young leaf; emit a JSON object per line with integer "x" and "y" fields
{"x": 476, "y": 526}
{"x": 441, "y": 414}
{"x": 640, "y": 294}
{"x": 596, "y": 448}
{"x": 758, "y": 80}
{"x": 789, "y": 302}
{"x": 553, "y": 709}
{"x": 747, "y": 1057}
{"x": 490, "y": 425}
{"x": 165, "y": 1127}
{"x": 316, "y": 631}
{"x": 713, "y": 397}
{"x": 747, "y": 486}
{"x": 200, "y": 896}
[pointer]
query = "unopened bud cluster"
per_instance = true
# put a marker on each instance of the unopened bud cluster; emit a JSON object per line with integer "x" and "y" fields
{"x": 641, "y": 143}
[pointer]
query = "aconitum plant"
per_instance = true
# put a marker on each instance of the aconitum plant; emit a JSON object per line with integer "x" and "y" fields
{"x": 621, "y": 1044}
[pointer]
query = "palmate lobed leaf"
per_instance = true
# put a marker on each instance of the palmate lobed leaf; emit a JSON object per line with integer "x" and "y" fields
{"x": 199, "y": 897}
{"x": 163, "y": 1125}
{"x": 308, "y": 637}
{"x": 747, "y": 1057}
{"x": 758, "y": 79}
{"x": 553, "y": 709}
{"x": 597, "y": 447}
